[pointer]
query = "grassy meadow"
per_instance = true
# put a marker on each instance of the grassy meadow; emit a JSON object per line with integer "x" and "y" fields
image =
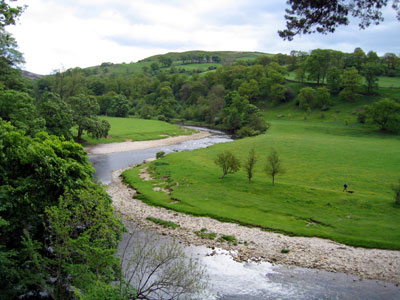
{"x": 319, "y": 157}
{"x": 123, "y": 129}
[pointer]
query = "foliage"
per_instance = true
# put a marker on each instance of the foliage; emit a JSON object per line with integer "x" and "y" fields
{"x": 55, "y": 222}
{"x": 155, "y": 269}
{"x": 85, "y": 109}
{"x": 57, "y": 114}
{"x": 274, "y": 165}
{"x": 119, "y": 106}
{"x": 19, "y": 108}
{"x": 386, "y": 114}
{"x": 351, "y": 82}
{"x": 250, "y": 163}
{"x": 228, "y": 162}
{"x": 307, "y": 16}
{"x": 163, "y": 223}
{"x": 370, "y": 71}
{"x": 160, "y": 154}
{"x": 307, "y": 98}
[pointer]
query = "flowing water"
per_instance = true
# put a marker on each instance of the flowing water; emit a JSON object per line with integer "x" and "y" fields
{"x": 230, "y": 280}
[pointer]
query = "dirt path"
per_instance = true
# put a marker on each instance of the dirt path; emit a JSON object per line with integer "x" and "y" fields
{"x": 304, "y": 252}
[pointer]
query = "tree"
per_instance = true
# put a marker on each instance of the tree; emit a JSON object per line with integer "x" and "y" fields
{"x": 19, "y": 108}
{"x": 307, "y": 98}
{"x": 351, "y": 82}
{"x": 308, "y": 16}
{"x": 278, "y": 93}
{"x": 228, "y": 162}
{"x": 58, "y": 228}
{"x": 386, "y": 114}
{"x": 323, "y": 98}
{"x": 274, "y": 165}
{"x": 250, "y": 163}
{"x": 155, "y": 270}
{"x": 334, "y": 80}
{"x": 57, "y": 114}
{"x": 85, "y": 109}
{"x": 370, "y": 71}
{"x": 119, "y": 106}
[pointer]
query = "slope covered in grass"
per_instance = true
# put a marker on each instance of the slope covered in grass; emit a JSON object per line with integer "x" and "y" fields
{"x": 123, "y": 129}
{"x": 308, "y": 200}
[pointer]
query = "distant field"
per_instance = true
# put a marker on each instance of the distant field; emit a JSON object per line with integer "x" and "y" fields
{"x": 383, "y": 81}
{"x": 308, "y": 200}
{"x": 123, "y": 129}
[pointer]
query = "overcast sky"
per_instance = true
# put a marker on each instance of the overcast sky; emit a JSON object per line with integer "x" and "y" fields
{"x": 56, "y": 34}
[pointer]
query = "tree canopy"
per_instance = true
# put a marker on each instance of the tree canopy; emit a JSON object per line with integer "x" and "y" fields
{"x": 308, "y": 16}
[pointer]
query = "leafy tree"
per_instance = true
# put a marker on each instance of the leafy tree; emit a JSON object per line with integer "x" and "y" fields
{"x": 307, "y": 16}
{"x": 228, "y": 163}
{"x": 323, "y": 98}
{"x": 300, "y": 73}
{"x": 19, "y": 108}
{"x": 317, "y": 64}
{"x": 334, "y": 80}
{"x": 57, "y": 114}
{"x": 58, "y": 228}
{"x": 165, "y": 61}
{"x": 370, "y": 71}
{"x": 85, "y": 109}
{"x": 278, "y": 93}
{"x": 386, "y": 114}
{"x": 119, "y": 106}
{"x": 351, "y": 83}
{"x": 250, "y": 163}
{"x": 274, "y": 165}
{"x": 307, "y": 98}
{"x": 250, "y": 90}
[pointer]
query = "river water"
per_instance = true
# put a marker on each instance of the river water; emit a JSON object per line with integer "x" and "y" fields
{"x": 230, "y": 280}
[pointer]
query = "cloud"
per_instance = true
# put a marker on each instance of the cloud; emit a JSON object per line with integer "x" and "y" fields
{"x": 83, "y": 33}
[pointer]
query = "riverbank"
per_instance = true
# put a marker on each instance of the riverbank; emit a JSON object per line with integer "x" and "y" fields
{"x": 141, "y": 145}
{"x": 254, "y": 243}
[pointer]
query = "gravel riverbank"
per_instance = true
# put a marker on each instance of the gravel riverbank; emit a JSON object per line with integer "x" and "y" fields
{"x": 266, "y": 246}
{"x": 141, "y": 145}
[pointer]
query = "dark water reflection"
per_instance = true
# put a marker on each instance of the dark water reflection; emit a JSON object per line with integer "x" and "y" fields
{"x": 253, "y": 281}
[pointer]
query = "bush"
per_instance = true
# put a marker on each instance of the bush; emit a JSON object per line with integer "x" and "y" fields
{"x": 160, "y": 154}
{"x": 246, "y": 131}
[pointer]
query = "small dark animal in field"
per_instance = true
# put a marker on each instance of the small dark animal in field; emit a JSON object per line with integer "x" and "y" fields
{"x": 350, "y": 192}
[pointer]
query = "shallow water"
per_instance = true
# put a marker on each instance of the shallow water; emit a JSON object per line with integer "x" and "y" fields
{"x": 230, "y": 280}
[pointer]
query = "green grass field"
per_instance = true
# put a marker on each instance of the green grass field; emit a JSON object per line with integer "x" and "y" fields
{"x": 123, "y": 129}
{"x": 308, "y": 200}
{"x": 383, "y": 81}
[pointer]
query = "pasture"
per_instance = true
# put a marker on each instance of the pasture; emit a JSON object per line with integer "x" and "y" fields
{"x": 132, "y": 129}
{"x": 319, "y": 157}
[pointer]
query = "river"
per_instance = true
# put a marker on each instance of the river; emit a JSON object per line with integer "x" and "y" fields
{"x": 230, "y": 280}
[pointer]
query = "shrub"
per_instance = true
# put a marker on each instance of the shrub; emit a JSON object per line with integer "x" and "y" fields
{"x": 160, "y": 154}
